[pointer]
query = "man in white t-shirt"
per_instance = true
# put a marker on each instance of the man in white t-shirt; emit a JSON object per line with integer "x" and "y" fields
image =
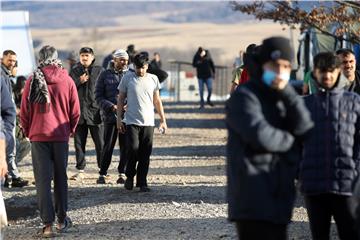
{"x": 141, "y": 90}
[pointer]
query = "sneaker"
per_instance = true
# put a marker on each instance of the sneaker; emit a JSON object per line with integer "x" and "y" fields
{"x": 129, "y": 183}
{"x": 210, "y": 103}
{"x": 144, "y": 189}
{"x": 47, "y": 231}
{"x": 19, "y": 182}
{"x": 121, "y": 179}
{"x": 101, "y": 180}
{"x": 8, "y": 182}
{"x": 78, "y": 176}
{"x": 63, "y": 227}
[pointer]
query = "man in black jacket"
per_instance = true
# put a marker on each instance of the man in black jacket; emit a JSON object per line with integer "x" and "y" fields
{"x": 329, "y": 169}
{"x": 265, "y": 119}
{"x": 205, "y": 69}
{"x": 106, "y": 96}
{"x": 85, "y": 74}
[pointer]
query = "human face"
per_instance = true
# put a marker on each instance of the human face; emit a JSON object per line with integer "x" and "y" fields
{"x": 157, "y": 57}
{"x": 327, "y": 78}
{"x": 280, "y": 67}
{"x": 348, "y": 64}
{"x": 141, "y": 72}
{"x": 120, "y": 63}
{"x": 86, "y": 59}
{"x": 9, "y": 61}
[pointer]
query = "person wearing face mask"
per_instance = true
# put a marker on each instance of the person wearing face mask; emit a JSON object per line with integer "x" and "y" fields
{"x": 265, "y": 119}
{"x": 330, "y": 164}
{"x": 85, "y": 73}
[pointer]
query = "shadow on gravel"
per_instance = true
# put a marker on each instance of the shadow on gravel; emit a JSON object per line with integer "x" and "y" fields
{"x": 218, "y": 170}
{"x": 195, "y": 123}
{"x": 201, "y": 150}
{"x": 207, "y": 110}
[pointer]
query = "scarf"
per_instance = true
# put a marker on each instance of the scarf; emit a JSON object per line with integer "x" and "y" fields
{"x": 39, "y": 92}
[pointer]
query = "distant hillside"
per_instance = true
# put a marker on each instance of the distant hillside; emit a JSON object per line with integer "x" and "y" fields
{"x": 98, "y": 14}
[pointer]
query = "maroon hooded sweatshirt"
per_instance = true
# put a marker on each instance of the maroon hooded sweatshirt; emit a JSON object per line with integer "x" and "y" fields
{"x": 60, "y": 118}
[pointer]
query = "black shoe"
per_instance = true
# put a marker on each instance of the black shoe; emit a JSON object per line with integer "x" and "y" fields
{"x": 8, "y": 182}
{"x": 121, "y": 179}
{"x": 210, "y": 103}
{"x": 101, "y": 180}
{"x": 129, "y": 184}
{"x": 144, "y": 189}
{"x": 19, "y": 182}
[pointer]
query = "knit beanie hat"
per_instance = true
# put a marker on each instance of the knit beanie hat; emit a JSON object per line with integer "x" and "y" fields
{"x": 275, "y": 48}
{"x": 120, "y": 53}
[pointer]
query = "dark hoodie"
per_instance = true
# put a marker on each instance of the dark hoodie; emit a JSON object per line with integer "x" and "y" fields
{"x": 90, "y": 111}
{"x": 204, "y": 65}
{"x": 56, "y": 124}
{"x": 331, "y": 153}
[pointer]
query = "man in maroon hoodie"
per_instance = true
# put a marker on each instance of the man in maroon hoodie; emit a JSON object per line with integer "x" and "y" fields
{"x": 49, "y": 114}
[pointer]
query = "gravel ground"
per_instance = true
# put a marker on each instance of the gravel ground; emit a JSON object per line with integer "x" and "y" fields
{"x": 187, "y": 179}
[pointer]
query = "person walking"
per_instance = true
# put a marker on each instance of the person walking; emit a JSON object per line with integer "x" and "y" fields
{"x": 49, "y": 114}
{"x": 329, "y": 168}
{"x": 106, "y": 94}
{"x": 205, "y": 69}
{"x": 141, "y": 89}
{"x": 265, "y": 120}
{"x": 85, "y": 74}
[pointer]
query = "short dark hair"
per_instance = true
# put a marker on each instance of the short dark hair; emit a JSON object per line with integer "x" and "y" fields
{"x": 326, "y": 61}
{"x": 8, "y": 52}
{"x": 345, "y": 52}
{"x": 141, "y": 59}
{"x": 86, "y": 50}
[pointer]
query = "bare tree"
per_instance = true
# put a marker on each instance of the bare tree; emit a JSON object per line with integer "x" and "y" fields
{"x": 339, "y": 19}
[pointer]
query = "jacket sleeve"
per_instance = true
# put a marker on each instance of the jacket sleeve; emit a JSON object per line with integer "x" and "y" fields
{"x": 244, "y": 116}
{"x": 104, "y": 104}
{"x": 75, "y": 75}
{"x": 298, "y": 116}
{"x": 74, "y": 107}
{"x": 212, "y": 66}
{"x": 24, "y": 109}
{"x": 8, "y": 111}
{"x": 195, "y": 62}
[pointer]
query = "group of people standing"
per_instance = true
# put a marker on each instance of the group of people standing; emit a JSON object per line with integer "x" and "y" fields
{"x": 113, "y": 103}
{"x": 280, "y": 142}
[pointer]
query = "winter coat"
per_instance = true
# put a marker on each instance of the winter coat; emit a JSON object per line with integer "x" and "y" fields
{"x": 331, "y": 154}
{"x": 59, "y": 121}
{"x": 90, "y": 111}
{"x": 106, "y": 93}
{"x": 8, "y": 112}
{"x": 264, "y": 130}
{"x": 205, "y": 67}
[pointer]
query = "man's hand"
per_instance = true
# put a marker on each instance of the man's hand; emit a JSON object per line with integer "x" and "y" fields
{"x": 84, "y": 78}
{"x": 163, "y": 126}
{"x": 3, "y": 164}
{"x": 121, "y": 127}
{"x": 114, "y": 108}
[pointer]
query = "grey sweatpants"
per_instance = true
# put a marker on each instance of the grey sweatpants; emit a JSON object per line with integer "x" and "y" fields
{"x": 50, "y": 162}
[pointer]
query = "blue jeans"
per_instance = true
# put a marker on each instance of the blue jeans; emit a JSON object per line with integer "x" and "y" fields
{"x": 208, "y": 83}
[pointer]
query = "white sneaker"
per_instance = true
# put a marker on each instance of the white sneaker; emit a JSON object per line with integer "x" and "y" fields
{"x": 78, "y": 176}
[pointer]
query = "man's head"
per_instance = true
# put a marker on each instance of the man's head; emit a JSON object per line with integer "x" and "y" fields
{"x": 47, "y": 53}
{"x": 9, "y": 59}
{"x": 120, "y": 58}
{"x": 327, "y": 69}
{"x": 348, "y": 62}
{"x": 156, "y": 56}
{"x": 141, "y": 63}
{"x": 86, "y": 56}
{"x": 275, "y": 58}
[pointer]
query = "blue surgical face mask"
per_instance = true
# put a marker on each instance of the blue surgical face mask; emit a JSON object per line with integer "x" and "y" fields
{"x": 268, "y": 77}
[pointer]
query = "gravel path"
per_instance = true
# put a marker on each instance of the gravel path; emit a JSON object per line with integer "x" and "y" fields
{"x": 187, "y": 178}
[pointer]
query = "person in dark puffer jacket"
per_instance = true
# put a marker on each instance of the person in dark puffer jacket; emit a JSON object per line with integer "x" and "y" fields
{"x": 106, "y": 94}
{"x": 329, "y": 169}
{"x": 266, "y": 119}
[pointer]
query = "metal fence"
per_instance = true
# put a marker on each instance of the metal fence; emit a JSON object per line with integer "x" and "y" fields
{"x": 182, "y": 84}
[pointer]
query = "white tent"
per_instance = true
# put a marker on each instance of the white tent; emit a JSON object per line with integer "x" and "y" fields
{"x": 15, "y": 35}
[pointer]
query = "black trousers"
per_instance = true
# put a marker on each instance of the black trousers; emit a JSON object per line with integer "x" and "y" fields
{"x": 322, "y": 207}
{"x": 110, "y": 135}
{"x": 139, "y": 140}
{"x": 260, "y": 230}
{"x": 80, "y": 138}
{"x": 50, "y": 161}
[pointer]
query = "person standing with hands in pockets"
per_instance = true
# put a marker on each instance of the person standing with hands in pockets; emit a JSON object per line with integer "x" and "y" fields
{"x": 141, "y": 89}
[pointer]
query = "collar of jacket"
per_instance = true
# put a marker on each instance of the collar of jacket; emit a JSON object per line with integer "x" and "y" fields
{"x": 335, "y": 89}
{"x": 5, "y": 69}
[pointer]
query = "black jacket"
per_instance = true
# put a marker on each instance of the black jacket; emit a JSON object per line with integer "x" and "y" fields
{"x": 90, "y": 111}
{"x": 263, "y": 151}
{"x": 331, "y": 155}
{"x": 106, "y": 92}
{"x": 204, "y": 66}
